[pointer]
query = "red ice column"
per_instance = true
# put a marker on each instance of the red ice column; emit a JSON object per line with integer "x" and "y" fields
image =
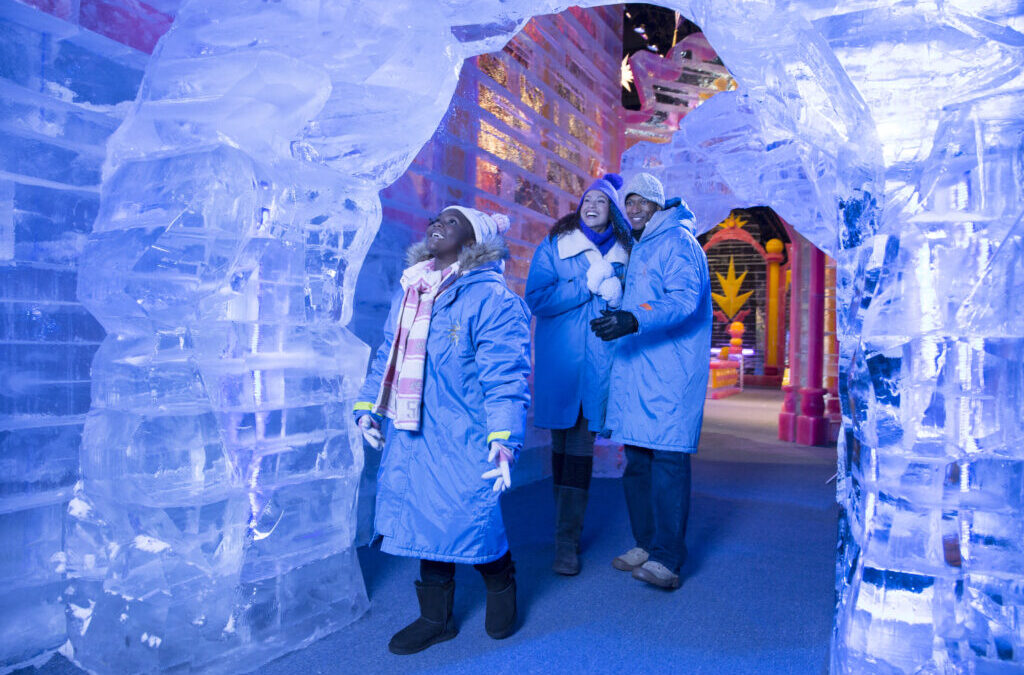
{"x": 787, "y": 418}
{"x": 811, "y": 424}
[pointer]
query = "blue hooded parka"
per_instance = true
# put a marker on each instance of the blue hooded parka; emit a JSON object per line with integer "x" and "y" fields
{"x": 572, "y": 364}
{"x": 431, "y": 501}
{"x": 659, "y": 376}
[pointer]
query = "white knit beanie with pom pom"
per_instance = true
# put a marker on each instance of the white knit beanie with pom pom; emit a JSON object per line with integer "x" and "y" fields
{"x": 484, "y": 226}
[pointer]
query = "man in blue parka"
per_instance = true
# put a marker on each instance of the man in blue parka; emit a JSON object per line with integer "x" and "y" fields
{"x": 451, "y": 378}
{"x": 659, "y": 376}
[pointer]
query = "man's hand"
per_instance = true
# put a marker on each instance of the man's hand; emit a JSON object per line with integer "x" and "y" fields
{"x": 614, "y": 324}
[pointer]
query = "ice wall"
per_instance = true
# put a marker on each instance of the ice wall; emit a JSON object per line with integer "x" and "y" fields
{"x": 61, "y": 88}
{"x": 920, "y": 202}
{"x": 932, "y": 561}
{"x": 213, "y": 526}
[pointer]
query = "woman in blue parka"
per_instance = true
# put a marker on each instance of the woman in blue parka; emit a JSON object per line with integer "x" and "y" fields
{"x": 575, "y": 273}
{"x": 451, "y": 379}
{"x": 659, "y": 376}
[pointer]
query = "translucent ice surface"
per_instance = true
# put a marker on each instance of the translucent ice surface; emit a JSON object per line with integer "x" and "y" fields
{"x": 905, "y": 166}
{"x": 61, "y": 90}
{"x": 214, "y": 523}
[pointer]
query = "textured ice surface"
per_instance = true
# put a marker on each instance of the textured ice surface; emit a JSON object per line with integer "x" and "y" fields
{"x": 911, "y": 178}
{"x": 213, "y": 523}
{"x": 213, "y": 526}
{"x": 59, "y": 93}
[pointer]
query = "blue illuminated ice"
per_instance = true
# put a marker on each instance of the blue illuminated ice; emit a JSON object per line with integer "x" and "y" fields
{"x": 212, "y": 524}
{"x": 910, "y": 175}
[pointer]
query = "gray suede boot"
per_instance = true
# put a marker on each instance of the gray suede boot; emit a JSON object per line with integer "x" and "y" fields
{"x": 570, "y": 505}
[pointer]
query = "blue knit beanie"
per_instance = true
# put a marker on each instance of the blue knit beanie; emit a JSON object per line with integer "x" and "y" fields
{"x": 609, "y": 184}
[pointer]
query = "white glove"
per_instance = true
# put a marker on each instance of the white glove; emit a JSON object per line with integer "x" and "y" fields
{"x": 501, "y": 456}
{"x": 599, "y": 270}
{"x": 371, "y": 432}
{"x": 611, "y": 290}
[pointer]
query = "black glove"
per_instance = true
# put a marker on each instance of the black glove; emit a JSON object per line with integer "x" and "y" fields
{"x": 614, "y": 324}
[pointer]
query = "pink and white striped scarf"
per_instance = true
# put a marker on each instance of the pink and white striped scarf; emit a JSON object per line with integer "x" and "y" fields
{"x": 401, "y": 389}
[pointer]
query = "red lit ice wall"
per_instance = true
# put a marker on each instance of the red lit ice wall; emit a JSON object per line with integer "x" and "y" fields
{"x": 132, "y": 23}
{"x": 527, "y": 131}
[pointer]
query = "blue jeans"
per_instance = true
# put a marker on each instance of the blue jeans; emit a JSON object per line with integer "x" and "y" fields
{"x": 657, "y": 485}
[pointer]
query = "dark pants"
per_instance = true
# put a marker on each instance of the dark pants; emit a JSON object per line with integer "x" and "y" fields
{"x": 657, "y": 485}
{"x": 572, "y": 455}
{"x": 435, "y": 572}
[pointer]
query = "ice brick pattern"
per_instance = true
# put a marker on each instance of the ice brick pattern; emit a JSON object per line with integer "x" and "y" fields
{"x": 920, "y": 201}
{"x": 214, "y": 525}
{"x": 59, "y": 88}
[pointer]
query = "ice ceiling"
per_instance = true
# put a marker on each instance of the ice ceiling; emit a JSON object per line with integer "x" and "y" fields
{"x": 239, "y": 199}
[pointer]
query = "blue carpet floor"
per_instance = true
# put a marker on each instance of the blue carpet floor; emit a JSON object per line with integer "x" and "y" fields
{"x": 757, "y": 593}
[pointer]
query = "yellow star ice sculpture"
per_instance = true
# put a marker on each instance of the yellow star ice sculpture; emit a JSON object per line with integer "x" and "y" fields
{"x": 732, "y": 300}
{"x": 734, "y": 221}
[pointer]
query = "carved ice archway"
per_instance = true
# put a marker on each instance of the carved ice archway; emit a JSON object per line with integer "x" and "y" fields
{"x": 366, "y": 88}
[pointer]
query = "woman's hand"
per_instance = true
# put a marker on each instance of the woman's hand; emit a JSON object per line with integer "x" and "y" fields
{"x": 371, "y": 431}
{"x": 502, "y": 458}
{"x": 599, "y": 270}
{"x": 611, "y": 291}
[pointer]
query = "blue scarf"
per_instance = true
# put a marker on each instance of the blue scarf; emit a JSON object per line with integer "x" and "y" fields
{"x": 602, "y": 240}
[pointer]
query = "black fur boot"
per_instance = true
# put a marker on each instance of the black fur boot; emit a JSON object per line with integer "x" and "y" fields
{"x": 435, "y": 623}
{"x": 501, "y": 616}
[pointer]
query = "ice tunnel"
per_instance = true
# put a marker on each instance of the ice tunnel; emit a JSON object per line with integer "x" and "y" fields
{"x": 184, "y": 531}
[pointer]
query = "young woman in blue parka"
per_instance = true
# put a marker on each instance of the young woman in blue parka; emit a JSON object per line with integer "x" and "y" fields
{"x": 575, "y": 273}
{"x": 659, "y": 376}
{"x": 451, "y": 379}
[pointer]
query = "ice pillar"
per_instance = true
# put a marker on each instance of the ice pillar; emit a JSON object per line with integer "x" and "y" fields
{"x": 791, "y": 403}
{"x": 811, "y": 425}
{"x": 214, "y": 523}
{"x": 929, "y": 293}
{"x": 935, "y": 459}
{"x": 774, "y": 247}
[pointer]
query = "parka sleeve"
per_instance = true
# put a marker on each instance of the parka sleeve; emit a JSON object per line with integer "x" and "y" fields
{"x": 501, "y": 342}
{"x": 684, "y": 281}
{"x": 371, "y": 385}
{"x": 547, "y": 293}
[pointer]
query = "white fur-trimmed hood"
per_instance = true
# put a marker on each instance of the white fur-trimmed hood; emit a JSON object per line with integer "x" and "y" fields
{"x": 472, "y": 256}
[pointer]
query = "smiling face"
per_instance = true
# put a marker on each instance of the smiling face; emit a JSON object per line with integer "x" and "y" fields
{"x": 594, "y": 210}
{"x": 448, "y": 234}
{"x": 639, "y": 210}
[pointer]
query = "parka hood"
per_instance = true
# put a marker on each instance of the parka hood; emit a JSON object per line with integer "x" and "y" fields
{"x": 675, "y": 214}
{"x": 472, "y": 256}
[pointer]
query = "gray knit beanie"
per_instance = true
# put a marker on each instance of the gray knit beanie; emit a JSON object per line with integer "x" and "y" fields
{"x": 648, "y": 187}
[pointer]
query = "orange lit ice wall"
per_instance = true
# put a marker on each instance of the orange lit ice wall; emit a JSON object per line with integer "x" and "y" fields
{"x": 528, "y": 129}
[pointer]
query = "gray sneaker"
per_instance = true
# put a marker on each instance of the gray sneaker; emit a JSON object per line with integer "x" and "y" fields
{"x": 656, "y": 574}
{"x": 631, "y": 559}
